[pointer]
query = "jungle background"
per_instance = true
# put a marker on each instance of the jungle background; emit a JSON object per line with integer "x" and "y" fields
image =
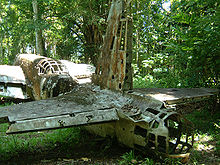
{"x": 176, "y": 44}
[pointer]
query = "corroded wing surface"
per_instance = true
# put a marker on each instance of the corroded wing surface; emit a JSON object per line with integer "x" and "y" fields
{"x": 12, "y": 82}
{"x": 84, "y": 105}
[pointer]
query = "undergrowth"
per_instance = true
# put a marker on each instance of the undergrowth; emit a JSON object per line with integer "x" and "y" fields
{"x": 206, "y": 124}
{"x": 131, "y": 158}
{"x": 149, "y": 81}
{"x": 12, "y": 146}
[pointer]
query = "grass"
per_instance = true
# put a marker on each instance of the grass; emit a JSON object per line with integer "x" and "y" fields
{"x": 12, "y": 146}
{"x": 130, "y": 158}
{"x": 207, "y": 136}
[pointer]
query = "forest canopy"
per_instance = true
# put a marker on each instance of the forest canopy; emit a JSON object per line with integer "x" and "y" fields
{"x": 176, "y": 43}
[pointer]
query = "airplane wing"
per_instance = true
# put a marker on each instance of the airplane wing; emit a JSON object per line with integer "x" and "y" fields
{"x": 12, "y": 82}
{"x": 87, "y": 104}
{"x": 82, "y": 106}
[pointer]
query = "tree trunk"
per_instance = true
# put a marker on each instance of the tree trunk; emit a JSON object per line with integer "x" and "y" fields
{"x": 38, "y": 32}
{"x": 93, "y": 41}
{"x": 1, "y": 51}
{"x": 116, "y": 53}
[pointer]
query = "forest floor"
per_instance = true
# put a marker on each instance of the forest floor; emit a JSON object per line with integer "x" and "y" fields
{"x": 203, "y": 153}
{"x": 90, "y": 149}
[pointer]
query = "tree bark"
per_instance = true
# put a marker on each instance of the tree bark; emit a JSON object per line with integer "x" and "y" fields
{"x": 1, "y": 51}
{"x": 113, "y": 70}
{"x": 38, "y": 31}
{"x": 107, "y": 71}
{"x": 93, "y": 41}
{"x": 128, "y": 82}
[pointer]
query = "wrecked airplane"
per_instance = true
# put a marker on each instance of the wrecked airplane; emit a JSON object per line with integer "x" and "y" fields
{"x": 138, "y": 119}
{"x": 38, "y": 77}
{"x": 144, "y": 119}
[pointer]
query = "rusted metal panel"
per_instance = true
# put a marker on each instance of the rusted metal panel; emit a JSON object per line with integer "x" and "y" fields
{"x": 128, "y": 81}
{"x": 81, "y": 72}
{"x": 83, "y": 98}
{"x": 39, "y": 77}
{"x": 78, "y": 70}
{"x": 11, "y": 74}
{"x": 28, "y": 65}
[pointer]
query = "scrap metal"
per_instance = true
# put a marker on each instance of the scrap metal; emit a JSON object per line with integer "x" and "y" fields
{"x": 12, "y": 82}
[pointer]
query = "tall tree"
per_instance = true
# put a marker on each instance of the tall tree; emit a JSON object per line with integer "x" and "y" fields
{"x": 40, "y": 46}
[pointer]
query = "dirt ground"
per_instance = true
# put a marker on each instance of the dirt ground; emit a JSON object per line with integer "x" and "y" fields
{"x": 96, "y": 150}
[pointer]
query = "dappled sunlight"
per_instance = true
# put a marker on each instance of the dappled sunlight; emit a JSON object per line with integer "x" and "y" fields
{"x": 143, "y": 76}
{"x": 204, "y": 143}
{"x": 163, "y": 97}
{"x": 177, "y": 95}
{"x": 205, "y": 150}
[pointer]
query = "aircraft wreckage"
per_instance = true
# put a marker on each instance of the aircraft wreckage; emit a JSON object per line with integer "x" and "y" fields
{"x": 104, "y": 100}
{"x": 142, "y": 118}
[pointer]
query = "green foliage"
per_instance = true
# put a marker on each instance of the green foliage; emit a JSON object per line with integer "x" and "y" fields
{"x": 147, "y": 161}
{"x": 130, "y": 158}
{"x": 146, "y": 82}
{"x": 172, "y": 161}
{"x": 217, "y": 148}
{"x": 206, "y": 124}
{"x": 71, "y": 29}
{"x": 205, "y": 121}
{"x": 180, "y": 47}
{"x": 172, "y": 48}
{"x": 63, "y": 138}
